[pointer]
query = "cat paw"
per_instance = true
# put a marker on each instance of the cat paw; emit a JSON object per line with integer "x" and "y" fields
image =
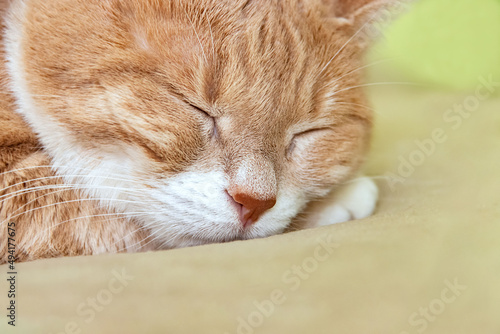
{"x": 357, "y": 199}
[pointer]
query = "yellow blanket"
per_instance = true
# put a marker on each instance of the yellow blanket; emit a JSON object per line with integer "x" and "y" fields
{"x": 427, "y": 262}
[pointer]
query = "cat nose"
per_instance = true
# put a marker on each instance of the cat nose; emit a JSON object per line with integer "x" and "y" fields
{"x": 251, "y": 208}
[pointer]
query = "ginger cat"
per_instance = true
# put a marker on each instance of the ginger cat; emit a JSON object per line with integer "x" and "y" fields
{"x": 133, "y": 125}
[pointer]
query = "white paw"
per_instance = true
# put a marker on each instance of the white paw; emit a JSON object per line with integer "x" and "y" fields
{"x": 357, "y": 199}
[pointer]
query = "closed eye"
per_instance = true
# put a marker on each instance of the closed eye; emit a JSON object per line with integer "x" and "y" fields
{"x": 215, "y": 132}
{"x": 199, "y": 109}
{"x": 312, "y": 131}
{"x": 310, "y": 135}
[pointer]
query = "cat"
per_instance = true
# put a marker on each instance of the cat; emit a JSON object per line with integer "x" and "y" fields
{"x": 142, "y": 125}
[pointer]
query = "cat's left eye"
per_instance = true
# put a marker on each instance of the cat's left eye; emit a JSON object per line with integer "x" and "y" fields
{"x": 200, "y": 110}
{"x": 305, "y": 137}
{"x": 215, "y": 132}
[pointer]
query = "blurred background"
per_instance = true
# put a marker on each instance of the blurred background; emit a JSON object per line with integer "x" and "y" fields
{"x": 446, "y": 44}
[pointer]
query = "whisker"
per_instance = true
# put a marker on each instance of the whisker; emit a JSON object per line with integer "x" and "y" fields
{"x": 32, "y": 190}
{"x": 211, "y": 34}
{"x": 124, "y": 215}
{"x": 130, "y": 234}
{"x": 347, "y": 43}
{"x": 357, "y": 105}
{"x": 362, "y": 68}
{"x": 175, "y": 236}
{"x": 38, "y": 198}
{"x": 100, "y": 221}
{"x": 197, "y": 36}
{"x": 67, "y": 202}
{"x": 49, "y": 194}
{"x": 54, "y": 96}
{"x": 362, "y": 106}
{"x": 58, "y": 177}
{"x": 23, "y": 169}
{"x": 69, "y": 187}
{"x": 145, "y": 238}
{"x": 53, "y": 167}
{"x": 377, "y": 84}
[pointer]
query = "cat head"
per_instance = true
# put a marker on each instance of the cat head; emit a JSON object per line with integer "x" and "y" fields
{"x": 205, "y": 120}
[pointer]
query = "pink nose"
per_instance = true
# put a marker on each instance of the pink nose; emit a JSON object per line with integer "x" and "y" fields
{"x": 251, "y": 208}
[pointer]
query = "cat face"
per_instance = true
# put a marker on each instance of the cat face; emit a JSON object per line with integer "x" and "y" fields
{"x": 206, "y": 121}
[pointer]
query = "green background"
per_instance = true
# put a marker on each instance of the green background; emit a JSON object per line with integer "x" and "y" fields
{"x": 444, "y": 43}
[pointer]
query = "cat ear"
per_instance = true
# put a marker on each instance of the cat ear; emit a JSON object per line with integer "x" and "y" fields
{"x": 359, "y": 13}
